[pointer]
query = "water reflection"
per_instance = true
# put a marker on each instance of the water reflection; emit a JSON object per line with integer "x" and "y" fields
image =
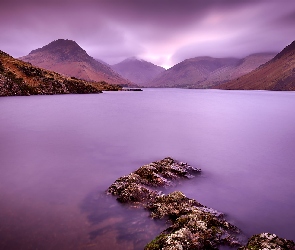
{"x": 129, "y": 224}
{"x": 54, "y": 150}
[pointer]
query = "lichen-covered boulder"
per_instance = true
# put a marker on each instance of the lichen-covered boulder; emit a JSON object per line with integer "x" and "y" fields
{"x": 267, "y": 241}
{"x": 139, "y": 186}
{"x": 172, "y": 205}
{"x": 193, "y": 225}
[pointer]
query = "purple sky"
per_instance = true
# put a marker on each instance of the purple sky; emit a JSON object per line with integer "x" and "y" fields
{"x": 164, "y": 32}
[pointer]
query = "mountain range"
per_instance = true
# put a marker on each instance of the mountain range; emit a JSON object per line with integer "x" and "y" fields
{"x": 137, "y": 70}
{"x": 277, "y": 74}
{"x": 206, "y": 72}
{"x": 256, "y": 71}
{"x": 68, "y": 58}
{"x": 21, "y": 78}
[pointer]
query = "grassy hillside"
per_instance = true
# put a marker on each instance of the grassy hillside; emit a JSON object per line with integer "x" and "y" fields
{"x": 21, "y": 78}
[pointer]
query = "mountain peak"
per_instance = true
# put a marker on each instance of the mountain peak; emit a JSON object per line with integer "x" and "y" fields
{"x": 64, "y": 49}
{"x": 133, "y": 59}
{"x": 59, "y": 43}
{"x": 288, "y": 49}
{"x": 67, "y": 57}
{"x": 138, "y": 70}
{"x": 63, "y": 42}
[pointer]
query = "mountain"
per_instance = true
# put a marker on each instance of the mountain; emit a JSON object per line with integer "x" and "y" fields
{"x": 277, "y": 74}
{"x": 138, "y": 71}
{"x": 205, "y": 72}
{"x": 191, "y": 72}
{"x": 68, "y": 58}
{"x": 243, "y": 67}
{"x": 103, "y": 62}
{"x": 21, "y": 78}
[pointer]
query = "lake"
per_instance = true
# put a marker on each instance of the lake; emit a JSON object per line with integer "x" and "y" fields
{"x": 58, "y": 154}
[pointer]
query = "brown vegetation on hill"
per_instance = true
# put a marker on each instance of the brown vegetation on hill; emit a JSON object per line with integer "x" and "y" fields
{"x": 277, "y": 74}
{"x": 21, "y": 78}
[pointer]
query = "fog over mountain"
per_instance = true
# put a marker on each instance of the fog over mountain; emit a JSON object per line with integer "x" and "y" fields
{"x": 277, "y": 74}
{"x": 205, "y": 72}
{"x": 138, "y": 71}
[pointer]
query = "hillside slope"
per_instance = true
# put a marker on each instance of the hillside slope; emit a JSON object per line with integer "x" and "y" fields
{"x": 205, "y": 72}
{"x": 21, "y": 78}
{"x": 68, "y": 58}
{"x": 191, "y": 73}
{"x": 244, "y": 66}
{"x": 277, "y": 74}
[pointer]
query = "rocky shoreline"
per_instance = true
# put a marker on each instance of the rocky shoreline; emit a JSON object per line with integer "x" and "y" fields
{"x": 192, "y": 225}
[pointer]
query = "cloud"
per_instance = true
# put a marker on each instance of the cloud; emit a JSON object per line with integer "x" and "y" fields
{"x": 163, "y": 31}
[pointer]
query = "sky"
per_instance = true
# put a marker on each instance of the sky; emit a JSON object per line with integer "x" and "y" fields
{"x": 164, "y": 32}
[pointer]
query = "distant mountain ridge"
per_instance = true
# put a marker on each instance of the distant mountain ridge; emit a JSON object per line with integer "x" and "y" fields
{"x": 68, "y": 58}
{"x": 21, "y": 78}
{"x": 137, "y": 70}
{"x": 276, "y": 74}
{"x": 205, "y": 72}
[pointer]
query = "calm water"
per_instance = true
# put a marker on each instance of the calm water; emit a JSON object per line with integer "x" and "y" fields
{"x": 58, "y": 154}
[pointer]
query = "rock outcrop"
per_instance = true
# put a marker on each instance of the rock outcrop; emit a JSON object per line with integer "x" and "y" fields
{"x": 193, "y": 225}
{"x": 140, "y": 185}
{"x": 267, "y": 241}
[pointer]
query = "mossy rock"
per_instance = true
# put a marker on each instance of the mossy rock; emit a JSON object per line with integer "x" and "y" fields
{"x": 194, "y": 226}
{"x": 269, "y": 241}
{"x": 172, "y": 205}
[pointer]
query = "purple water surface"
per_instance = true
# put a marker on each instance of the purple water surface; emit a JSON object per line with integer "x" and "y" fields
{"x": 58, "y": 154}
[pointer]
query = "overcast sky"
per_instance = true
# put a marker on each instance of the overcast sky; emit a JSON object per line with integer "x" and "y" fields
{"x": 164, "y": 32}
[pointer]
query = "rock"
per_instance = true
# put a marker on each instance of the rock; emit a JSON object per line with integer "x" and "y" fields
{"x": 139, "y": 186}
{"x": 130, "y": 189}
{"x": 171, "y": 206}
{"x": 131, "y": 89}
{"x": 193, "y": 225}
{"x": 265, "y": 241}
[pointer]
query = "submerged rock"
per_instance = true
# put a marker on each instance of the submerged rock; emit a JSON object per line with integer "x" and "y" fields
{"x": 266, "y": 241}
